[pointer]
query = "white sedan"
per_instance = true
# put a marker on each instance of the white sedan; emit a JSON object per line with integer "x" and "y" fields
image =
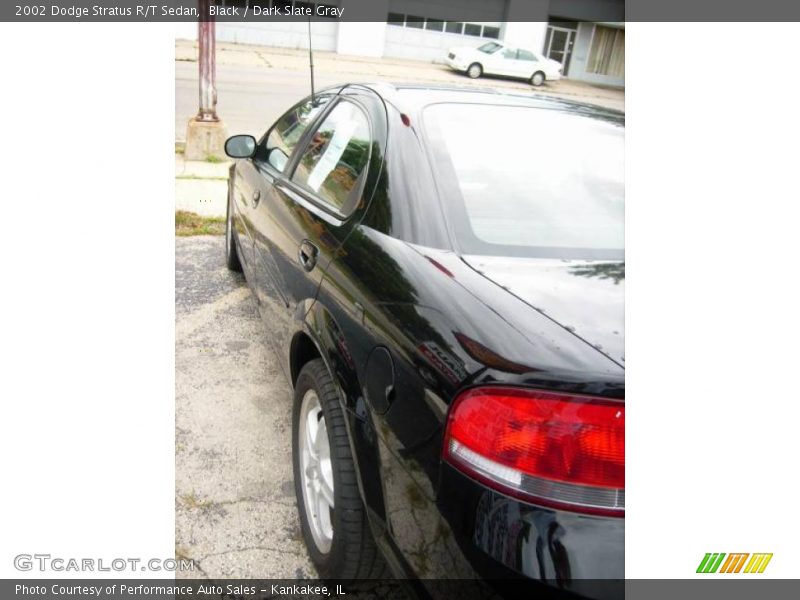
{"x": 496, "y": 58}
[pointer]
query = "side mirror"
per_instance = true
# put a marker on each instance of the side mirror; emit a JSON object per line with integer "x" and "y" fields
{"x": 240, "y": 146}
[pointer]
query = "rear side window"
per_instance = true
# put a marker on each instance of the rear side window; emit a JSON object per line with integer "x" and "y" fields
{"x": 334, "y": 164}
{"x": 280, "y": 142}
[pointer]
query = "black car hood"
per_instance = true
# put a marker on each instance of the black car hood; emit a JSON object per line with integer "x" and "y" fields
{"x": 585, "y": 297}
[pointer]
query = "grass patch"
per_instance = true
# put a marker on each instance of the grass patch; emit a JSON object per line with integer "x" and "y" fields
{"x": 214, "y": 159}
{"x": 189, "y": 223}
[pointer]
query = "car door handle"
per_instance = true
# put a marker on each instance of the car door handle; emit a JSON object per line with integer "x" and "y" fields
{"x": 308, "y": 255}
{"x": 256, "y": 198}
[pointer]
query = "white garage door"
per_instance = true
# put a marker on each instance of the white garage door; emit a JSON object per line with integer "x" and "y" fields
{"x": 424, "y": 29}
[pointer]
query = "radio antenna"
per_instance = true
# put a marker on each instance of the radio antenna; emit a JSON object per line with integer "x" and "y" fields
{"x": 311, "y": 63}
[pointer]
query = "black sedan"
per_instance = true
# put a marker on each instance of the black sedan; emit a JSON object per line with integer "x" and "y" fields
{"x": 442, "y": 274}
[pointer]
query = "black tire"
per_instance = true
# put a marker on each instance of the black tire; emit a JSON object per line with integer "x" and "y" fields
{"x": 474, "y": 71}
{"x": 538, "y": 79}
{"x": 353, "y": 554}
{"x": 231, "y": 253}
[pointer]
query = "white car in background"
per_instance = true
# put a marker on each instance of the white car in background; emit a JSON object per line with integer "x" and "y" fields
{"x": 496, "y": 58}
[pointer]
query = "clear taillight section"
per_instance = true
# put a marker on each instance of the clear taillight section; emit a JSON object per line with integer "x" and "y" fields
{"x": 560, "y": 450}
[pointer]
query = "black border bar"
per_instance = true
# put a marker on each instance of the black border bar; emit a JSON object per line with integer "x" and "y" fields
{"x": 377, "y": 10}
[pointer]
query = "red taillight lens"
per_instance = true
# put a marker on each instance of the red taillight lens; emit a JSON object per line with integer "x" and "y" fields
{"x": 555, "y": 449}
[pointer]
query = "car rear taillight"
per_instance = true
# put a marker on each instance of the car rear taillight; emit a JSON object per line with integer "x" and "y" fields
{"x": 559, "y": 450}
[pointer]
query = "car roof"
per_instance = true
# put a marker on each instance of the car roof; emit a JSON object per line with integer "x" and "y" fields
{"x": 410, "y": 98}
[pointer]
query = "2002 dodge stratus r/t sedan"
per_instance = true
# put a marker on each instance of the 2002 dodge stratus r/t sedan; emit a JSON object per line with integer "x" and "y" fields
{"x": 442, "y": 272}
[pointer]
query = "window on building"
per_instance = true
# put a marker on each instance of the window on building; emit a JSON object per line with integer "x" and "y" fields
{"x": 415, "y": 22}
{"x": 438, "y": 25}
{"x": 472, "y": 29}
{"x": 607, "y": 53}
{"x": 434, "y": 24}
{"x": 491, "y": 32}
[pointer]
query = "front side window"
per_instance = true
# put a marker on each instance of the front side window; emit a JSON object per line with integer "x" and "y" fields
{"x": 526, "y": 55}
{"x": 278, "y": 145}
{"x": 334, "y": 165}
{"x": 509, "y": 53}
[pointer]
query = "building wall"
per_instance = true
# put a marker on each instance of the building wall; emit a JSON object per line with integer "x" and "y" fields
{"x": 527, "y": 27}
{"x": 424, "y": 43}
{"x": 580, "y": 58}
{"x": 363, "y": 39}
{"x": 525, "y": 34}
{"x": 418, "y": 44}
{"x": 281, "y": 34}
{"x": 276, "y": 34}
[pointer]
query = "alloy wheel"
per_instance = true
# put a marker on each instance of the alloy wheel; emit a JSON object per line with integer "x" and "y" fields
{"x": 316, "y": 472}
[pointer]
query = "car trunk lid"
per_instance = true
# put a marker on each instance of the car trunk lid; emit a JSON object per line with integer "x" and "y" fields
{"x": 585, "y": 297}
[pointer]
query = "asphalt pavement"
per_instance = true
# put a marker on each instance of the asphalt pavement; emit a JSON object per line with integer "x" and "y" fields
{"x": 235, "y": 512}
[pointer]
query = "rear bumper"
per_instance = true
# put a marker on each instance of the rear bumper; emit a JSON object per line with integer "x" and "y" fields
{"x": 565, "y": 550}
{"x": 456, "y": 63}
{"x": 473, "y": 533}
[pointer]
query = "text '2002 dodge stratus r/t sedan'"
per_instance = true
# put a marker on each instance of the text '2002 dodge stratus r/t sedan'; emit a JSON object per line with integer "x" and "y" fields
{"x": 442, "y": 272}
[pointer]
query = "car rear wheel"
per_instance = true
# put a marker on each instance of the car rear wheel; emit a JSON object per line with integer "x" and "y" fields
{"x": 231, "y": 255}
{"x": 474, "y": 71}
{"x": 332, "y": 516}
{"x": 537, "y": 78}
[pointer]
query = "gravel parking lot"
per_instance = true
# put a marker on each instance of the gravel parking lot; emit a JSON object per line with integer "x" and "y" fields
{"x": 235, "y": 509}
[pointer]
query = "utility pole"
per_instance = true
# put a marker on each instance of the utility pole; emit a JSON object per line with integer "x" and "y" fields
{"x": 207, "y": 61}
{"x": 205, "y": 134}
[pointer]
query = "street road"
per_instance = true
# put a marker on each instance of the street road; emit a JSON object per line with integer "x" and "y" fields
{"x": 257, "y": 85}
{"x": 250, "y": 98}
